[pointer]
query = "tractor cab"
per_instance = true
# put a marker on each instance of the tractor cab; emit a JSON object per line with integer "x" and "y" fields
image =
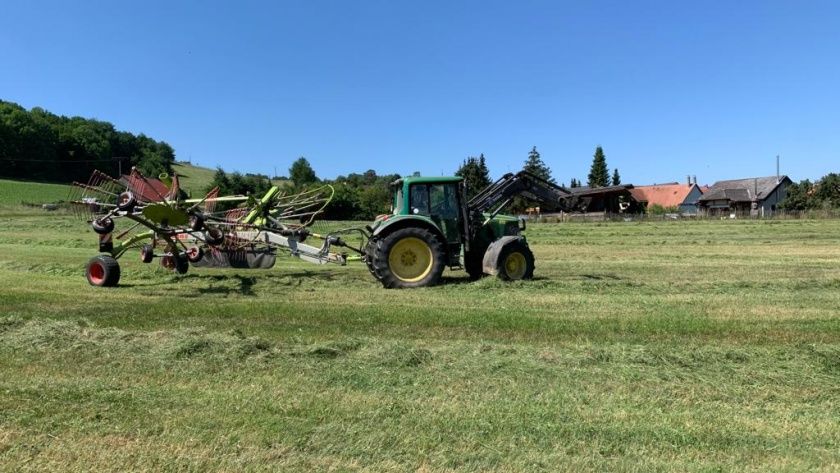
{"x": 435, "y": 202}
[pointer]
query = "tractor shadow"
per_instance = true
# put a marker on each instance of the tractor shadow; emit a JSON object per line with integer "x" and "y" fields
{"x": 238, "y": 284}
{"x": 600, "y": 277}
{"x": 459, "y": 280}
{"x": 243, "y": 285}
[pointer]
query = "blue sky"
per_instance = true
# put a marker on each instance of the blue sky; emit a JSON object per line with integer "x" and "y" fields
{"x": 668, "y": 88}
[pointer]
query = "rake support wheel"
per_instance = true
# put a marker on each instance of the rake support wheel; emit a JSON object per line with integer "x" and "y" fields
{"x": 103, "y": 226}
{"x": 126, "y": 201}
{"x": 147, "y": 252}
{"x": 194, "y": 254}
{"x": 103, "y": 271}
{"x": 214, "y": 236}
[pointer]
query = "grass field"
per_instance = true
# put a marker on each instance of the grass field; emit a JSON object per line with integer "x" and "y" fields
{"x": 673, "y": 346}
{"x": 35, "y": 193}
{"x": 194, "y": 179}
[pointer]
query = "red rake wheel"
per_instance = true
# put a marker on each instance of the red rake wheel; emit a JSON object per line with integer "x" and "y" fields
{"x": 194, "y": 254}
{"x": 167, "y": 261}
{"x": 103, "y": 271}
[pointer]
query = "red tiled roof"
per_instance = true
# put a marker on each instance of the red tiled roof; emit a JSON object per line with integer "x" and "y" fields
{"x": 666, "y": 195}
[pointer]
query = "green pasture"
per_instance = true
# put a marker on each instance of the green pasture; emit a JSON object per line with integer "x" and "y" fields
{"x": 654, "y": 346}
{"x": 195, "y": 180}
{"x": 16, "y": 193}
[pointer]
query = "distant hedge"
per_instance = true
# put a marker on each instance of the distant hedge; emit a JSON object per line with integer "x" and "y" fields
{"x": 39, "y": 145}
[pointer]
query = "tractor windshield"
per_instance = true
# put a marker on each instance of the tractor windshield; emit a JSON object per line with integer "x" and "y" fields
{"x": 420, "y": 199}
{"x": 435, "y": 200}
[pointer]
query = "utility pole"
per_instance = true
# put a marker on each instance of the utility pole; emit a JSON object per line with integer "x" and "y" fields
{"x": 119, "y": 160}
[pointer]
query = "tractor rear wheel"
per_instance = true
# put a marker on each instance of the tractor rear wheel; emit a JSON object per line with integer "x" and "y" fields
{"x": 103, "y": 271}
{"x": 410, "y": 257}
{"x": 516, "y": 261}
{"x": 370, "y": 250}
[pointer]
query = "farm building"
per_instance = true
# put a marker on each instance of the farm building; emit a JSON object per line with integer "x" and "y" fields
{"x": 755, "y": 196}
{"x": 682, "y": 197}
{"x": 611, "y": 199}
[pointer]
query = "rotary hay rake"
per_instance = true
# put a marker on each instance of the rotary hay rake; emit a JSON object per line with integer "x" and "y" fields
{"x": 204, "y": 232}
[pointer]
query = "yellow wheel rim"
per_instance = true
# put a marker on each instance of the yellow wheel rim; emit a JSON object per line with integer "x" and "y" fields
{"x": 410, "y": 259}
{"x": 515, "y": 265}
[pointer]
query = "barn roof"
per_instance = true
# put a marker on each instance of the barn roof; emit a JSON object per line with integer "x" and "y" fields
{"x": 743, "y": 190}
{"x": 586, "y": 191}
{"x": 666, "y": 195}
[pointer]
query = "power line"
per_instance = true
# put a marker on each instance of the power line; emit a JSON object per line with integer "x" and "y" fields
{"x": 57, "y": 160}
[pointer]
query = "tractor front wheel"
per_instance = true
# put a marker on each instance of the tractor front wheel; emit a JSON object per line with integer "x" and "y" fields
{"x": 103, "y": 271}
{"x": 516, "y": 261}
{"x": 410, "y": 257}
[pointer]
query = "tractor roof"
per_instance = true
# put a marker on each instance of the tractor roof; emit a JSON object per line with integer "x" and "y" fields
{"x": 428, "y": 180}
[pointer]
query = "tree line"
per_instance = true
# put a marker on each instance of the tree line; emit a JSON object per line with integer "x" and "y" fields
{"x": 362, "y": 196}
{"x": 38, "y": 145}
{"x": 807, "y": 195}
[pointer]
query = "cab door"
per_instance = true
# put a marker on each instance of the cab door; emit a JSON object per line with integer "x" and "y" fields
{"x": 445, "y": 210}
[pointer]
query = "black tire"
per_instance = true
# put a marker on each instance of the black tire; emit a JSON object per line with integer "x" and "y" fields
{"x": 214, "y": 236}
{"x": 103, "y": 271}
{"x": 516, "y": 261}
{"x": 147, "y": 253}
{"x": 194, "y": 254}
{"x": 182, "y": 264}
{"x": 473, "y": 263}
{"x": 103, "y": 225}
{"x": 419, "y": 263}
{"x": 369, "y": 252}
{"x": 196, "y": 222}
{"x": 126, "y": 201}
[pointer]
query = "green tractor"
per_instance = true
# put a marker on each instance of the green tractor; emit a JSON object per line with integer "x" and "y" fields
{"x": 433, "y": 226}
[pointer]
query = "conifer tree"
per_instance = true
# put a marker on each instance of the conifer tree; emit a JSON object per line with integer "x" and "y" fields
{"x": 535, "y": 165}
{"x": 475, "y": 173}
{"x": 599, "y": 174}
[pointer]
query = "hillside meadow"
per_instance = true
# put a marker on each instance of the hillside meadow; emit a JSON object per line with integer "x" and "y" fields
{"x": 653, "y": 346}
